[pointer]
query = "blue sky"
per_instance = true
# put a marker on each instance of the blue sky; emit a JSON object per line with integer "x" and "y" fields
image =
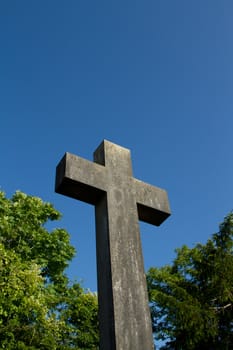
{"x": 152, "y": 76}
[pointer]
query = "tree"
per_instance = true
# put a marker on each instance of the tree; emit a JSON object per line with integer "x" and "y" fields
{"x": 192, "y": 300}
{"x": 39, "y": 307}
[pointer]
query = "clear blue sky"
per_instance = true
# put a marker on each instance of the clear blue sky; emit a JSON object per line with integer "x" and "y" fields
{"x": 152, "y": 76}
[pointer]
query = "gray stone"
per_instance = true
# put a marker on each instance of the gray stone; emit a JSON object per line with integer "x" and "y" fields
{"x": 120, "y": 201}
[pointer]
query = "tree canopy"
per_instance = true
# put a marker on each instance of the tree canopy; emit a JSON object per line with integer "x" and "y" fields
{"x": 39, "y": 307}
{"x": 192, "y": 299}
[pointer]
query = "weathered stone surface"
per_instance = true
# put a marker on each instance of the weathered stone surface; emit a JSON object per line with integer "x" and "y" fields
{"x": 120, "y": 200}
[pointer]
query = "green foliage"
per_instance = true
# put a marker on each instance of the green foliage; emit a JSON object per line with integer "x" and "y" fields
{"x": 192, "y": 300}
{"x": 39, "y": 307}
{"x": 80, "y": 314}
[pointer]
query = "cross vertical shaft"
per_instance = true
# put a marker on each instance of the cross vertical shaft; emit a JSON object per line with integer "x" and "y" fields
{"x": 119, "y": 201}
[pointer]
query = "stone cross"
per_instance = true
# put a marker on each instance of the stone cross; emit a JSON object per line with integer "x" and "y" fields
{"x": 120, "y": 201}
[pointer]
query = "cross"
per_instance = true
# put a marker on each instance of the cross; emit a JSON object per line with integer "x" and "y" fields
{"x": 119, "y": 200}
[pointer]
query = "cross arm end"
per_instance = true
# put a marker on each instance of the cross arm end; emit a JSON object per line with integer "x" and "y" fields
{"x": 73, "y": 179}
{"x": 152, "y": 203}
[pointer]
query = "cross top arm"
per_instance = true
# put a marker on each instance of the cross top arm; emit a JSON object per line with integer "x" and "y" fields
{"x": 87, "y": 181}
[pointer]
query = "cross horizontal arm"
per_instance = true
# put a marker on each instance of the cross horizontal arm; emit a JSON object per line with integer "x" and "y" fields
{"x": 80, "y": 179}
{"x": 152, "y": 203}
